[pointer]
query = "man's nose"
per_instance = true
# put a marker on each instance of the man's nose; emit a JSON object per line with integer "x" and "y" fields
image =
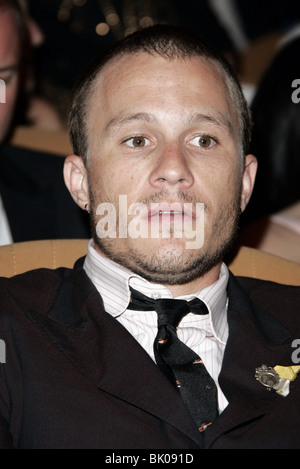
{"x": 171, "y": 169}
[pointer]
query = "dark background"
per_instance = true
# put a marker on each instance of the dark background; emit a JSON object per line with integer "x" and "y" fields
{"x": 71, "y": 40}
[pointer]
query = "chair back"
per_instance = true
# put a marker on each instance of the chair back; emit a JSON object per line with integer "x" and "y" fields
{"x": 21, "y": 257}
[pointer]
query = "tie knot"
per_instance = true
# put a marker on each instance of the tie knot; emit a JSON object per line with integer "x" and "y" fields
{"x": 171, "y": 311}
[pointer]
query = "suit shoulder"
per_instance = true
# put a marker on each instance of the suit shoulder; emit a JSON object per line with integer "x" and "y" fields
{"x": 280, "y": 300}
{"x": 31, "y": 162}
{"x": 20, "y": 154}
{"x": 32, "y": 289}
{"x": 253, "y": 285}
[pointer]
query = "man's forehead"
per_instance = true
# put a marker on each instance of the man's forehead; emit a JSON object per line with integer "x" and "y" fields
{"x": 132, "y": 64}
{"x": 8, "y": 16}
{"x": 9, "y": 43}
{"x": 109, "y": 82}
{"x": 9, "y": 26}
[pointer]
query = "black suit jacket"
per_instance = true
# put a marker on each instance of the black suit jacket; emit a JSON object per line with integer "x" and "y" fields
{"x": 75, "y": 378}
{"x": 36, "y": 200}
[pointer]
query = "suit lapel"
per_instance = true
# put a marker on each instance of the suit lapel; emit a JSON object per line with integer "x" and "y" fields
{"x": 101, "y": 349}
{"x": 255, "y": 338}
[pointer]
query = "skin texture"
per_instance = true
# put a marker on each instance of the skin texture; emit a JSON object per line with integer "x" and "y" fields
{"x": 9, "y": 58}
{"x": 164, "y": 131}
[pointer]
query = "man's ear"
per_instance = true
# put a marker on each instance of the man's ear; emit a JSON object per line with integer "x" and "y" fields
{"x": 248, "y": 179}
{"x": 75, "y": 176}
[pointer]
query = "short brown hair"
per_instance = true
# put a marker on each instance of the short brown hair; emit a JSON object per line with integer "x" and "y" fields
{"x": 169, "y": 42}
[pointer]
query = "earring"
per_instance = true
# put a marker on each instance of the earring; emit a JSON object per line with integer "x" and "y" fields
{"x": 86, "y": 208}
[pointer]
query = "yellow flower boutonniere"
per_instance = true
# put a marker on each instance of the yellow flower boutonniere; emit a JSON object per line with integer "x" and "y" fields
{"x": 277, "y": 378}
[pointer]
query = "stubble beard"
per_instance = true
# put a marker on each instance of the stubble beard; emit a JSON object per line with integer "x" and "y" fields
{"x": 170, "y": 265}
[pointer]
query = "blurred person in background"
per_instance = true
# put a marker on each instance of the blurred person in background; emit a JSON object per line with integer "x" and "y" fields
{"x": 34, "y": 203}
{"x": 272, "y": 221}
{"x": 33, "y": 109}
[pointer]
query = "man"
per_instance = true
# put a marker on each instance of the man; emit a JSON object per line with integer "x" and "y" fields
{"x": 34, "y": 203}
{"x": 160, "y": 130}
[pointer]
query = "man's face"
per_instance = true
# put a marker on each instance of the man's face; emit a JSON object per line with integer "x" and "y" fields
{"x": 163, "y": 132}
{"x": 9, "y": 53}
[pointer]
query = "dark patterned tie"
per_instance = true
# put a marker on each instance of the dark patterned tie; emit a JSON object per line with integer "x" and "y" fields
{"x": 181, "y": 364}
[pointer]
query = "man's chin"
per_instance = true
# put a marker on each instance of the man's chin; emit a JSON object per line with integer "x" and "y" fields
{"x": 166, "y": 262}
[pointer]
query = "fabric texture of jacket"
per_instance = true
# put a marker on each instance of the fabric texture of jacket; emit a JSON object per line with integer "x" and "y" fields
{"x": 75, "y": 378}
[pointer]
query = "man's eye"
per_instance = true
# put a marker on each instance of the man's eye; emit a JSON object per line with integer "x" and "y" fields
{"x": 203, "y": 141}
{"x": 137, "y": 142}
{"x": 7, "y": 76}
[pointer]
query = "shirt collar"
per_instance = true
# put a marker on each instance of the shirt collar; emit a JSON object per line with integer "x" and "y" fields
{"x": 5, "y": 233}
{"x": 113, "y": 281}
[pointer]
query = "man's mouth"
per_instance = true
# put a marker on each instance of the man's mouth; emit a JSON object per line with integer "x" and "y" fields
{"x": 172, "y": 211}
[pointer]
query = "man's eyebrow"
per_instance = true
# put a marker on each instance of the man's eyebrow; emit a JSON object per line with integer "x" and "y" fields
{"x": 9, "y": 68}
{"x": 123, "y": 119}
{"x": 217, "y": 118}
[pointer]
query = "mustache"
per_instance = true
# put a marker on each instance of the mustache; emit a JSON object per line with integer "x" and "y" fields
{"x": 178, "y": 196}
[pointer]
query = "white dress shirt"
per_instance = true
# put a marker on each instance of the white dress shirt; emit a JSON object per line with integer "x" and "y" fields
{"x": 5, "y": 233}
{"x": 206, "y": 335}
